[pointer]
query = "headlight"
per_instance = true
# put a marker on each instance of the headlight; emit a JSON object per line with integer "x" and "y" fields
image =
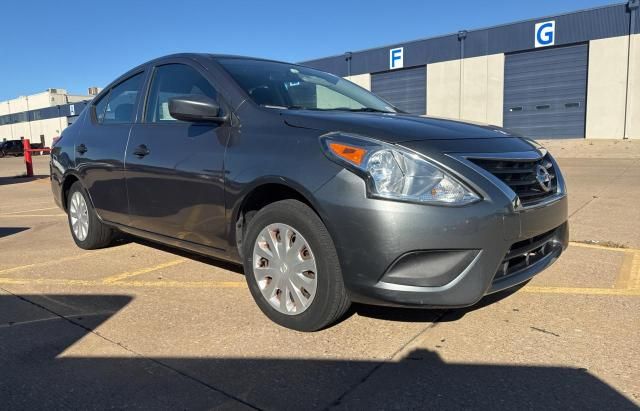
{"x": 394, "y": 173}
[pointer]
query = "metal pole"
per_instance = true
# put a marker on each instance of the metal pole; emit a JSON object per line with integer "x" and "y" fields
{"x": 27, "y": 157}
{"x": 28, "y": 119}
{"x": 633, "y": 6}
{"x": 347, "y": 57}
{"x": 462, "y": 35}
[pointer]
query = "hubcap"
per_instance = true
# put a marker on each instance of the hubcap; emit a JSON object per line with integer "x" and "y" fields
{"x": 79, "y": 216}
{"x": 285, "y": 268}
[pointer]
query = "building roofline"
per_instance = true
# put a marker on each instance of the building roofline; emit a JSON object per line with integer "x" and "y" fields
{"x": 468, "y": 30}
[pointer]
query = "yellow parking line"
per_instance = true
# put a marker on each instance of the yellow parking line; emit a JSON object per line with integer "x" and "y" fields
{"x": 45, "y": 281}
{"x": 602, "y": 247}
{"x": 128, "y": 274}
{"x": 184, "y": 284}
{"x": 32, "y": 215}
{"x": 29, "y": 211}
{"x": 55, "y": 261}
{"x": 94, "y": 283}
{"x": 634, "y": 273}
{"x": 625, "y": 272}
{"x": 2, "y": 208}
{"x": 582, "y": 291}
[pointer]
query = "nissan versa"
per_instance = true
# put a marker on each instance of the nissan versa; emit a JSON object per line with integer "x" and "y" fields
{"x": 324, "y": 192}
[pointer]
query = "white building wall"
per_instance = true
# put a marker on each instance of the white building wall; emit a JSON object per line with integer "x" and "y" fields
{"x": 470, "y": 89}
{"x": 50, "y": 128}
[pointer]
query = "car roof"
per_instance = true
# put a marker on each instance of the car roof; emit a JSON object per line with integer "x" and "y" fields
{"x": 214, "y": 56}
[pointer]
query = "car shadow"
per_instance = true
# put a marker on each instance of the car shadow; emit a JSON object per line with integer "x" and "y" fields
{"x": 225, "y": 265}
{"x": 53, "y": 355}
{"x": 7, "y": 231}
{"x": 21, "y": 179}
{"x": 420, "y": 315}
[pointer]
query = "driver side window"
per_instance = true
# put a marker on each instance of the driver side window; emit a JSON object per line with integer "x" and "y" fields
{"x": 118, "y": 105}
{"x": 174, "y": 80}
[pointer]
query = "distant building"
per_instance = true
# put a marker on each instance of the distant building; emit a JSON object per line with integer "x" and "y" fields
{"x": 41, "y": 117}
{"x": 574, "y": 75}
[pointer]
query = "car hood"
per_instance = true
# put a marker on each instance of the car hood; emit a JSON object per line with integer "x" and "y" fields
{"x": 413, "y": 131}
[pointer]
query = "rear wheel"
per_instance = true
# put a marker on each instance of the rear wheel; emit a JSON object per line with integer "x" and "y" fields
{"x": 87, "y": 230}
{"x": 292, "y": 267}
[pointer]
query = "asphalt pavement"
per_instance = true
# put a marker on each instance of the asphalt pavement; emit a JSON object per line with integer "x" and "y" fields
{"x": 139, "y": 325}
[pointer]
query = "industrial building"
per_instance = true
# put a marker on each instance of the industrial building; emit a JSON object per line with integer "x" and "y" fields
{"x": 41, "y": 117}
{"x": 573, "y": 75}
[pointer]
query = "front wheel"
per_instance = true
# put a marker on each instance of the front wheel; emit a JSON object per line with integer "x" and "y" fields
{"x": 87, "y": 230}
{"x": 292, "y": 268}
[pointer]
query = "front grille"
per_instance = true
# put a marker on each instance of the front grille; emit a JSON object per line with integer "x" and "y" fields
{"x": 521, "y": 177}
{"x": 526, "y": 253}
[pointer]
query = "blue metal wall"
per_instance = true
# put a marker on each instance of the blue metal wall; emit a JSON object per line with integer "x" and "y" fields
{"x": 545, "y": 92}
{"x": 578, "y": 27}
{"x": 405, "y": 88}
{"x": 43, "y": 113}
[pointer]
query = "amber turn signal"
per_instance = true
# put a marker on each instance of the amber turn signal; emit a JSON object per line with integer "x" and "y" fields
{"x": 354, "y": 155}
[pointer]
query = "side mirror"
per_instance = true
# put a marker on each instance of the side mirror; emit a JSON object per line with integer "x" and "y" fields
{"x": 196, "y": 108}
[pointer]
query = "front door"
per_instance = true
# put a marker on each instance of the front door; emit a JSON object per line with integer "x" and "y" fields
{"x": 101, "y": 145}
{"x": 174, "y": 169}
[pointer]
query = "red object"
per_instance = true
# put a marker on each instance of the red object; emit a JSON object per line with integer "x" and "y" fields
{"x": 28, "y": 160}
{"x": 27, "y": 156}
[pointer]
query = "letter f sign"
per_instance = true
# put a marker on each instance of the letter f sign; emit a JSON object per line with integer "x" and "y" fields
{"x": 396, "y": 58}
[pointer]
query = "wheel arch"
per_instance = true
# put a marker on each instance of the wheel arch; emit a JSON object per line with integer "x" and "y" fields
{"x": 261, "y": 194}
{"x": 67, "y": 181}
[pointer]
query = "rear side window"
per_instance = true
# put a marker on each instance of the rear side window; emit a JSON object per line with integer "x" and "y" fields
{"x": 118, "y": 106}
{"x": 173, "y": 80}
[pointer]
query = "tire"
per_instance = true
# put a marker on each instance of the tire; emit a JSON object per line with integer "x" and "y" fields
{"x": 97, "y": 234}
{"x": 2, "y": 154}
{"x": 327, "y": 300}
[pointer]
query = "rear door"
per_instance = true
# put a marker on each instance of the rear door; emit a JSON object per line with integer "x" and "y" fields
{"x": 101, "y": 145}
{"x": 174, "y": 169}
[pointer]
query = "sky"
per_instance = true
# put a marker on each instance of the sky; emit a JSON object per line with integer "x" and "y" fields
{"x": 74, "y": 44}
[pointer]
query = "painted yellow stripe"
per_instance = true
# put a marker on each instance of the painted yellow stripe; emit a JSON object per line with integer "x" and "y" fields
{"x": 624, "y": 274}
{"x": 32, "y": 210}
{"x": 31, "y": 202}
{"x": 128, "y": 274}
{"x": 242, "y": 284}
{"x": 45, "y": 281}
{"x": 634, "y": 276}
{"x": 124, "y": 284}
{"x": 582, "y": 291}
{"x": 84, "y": 255}
{"x": 602, "y": 247}
{"x": 184, "y": 284}
{"x": 32, "y": 215}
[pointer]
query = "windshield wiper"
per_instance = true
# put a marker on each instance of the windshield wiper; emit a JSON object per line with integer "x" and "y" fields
{"x": 356, "y": 110}
{"x": 282, "y": 107}
{"x": 369, "y": 110}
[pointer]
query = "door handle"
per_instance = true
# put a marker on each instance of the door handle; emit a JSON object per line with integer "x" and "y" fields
{"x": 141, "y": 151}
{"x": 81, "y": 148}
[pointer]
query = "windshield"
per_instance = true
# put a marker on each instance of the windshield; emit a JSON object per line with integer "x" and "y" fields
{"x": 281, "y": 85}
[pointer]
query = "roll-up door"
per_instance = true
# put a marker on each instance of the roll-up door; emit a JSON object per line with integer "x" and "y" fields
{"x": 545, "y": 92}
{"x": 405, "y": 89}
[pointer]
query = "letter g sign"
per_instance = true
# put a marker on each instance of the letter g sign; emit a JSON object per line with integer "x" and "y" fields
{"x": 545, "y": 34}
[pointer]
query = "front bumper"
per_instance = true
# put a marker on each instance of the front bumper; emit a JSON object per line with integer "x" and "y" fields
{"x": 403, "y": 254}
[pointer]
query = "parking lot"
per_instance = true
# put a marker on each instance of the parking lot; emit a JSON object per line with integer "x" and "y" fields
{"x": 140, "y": 325}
